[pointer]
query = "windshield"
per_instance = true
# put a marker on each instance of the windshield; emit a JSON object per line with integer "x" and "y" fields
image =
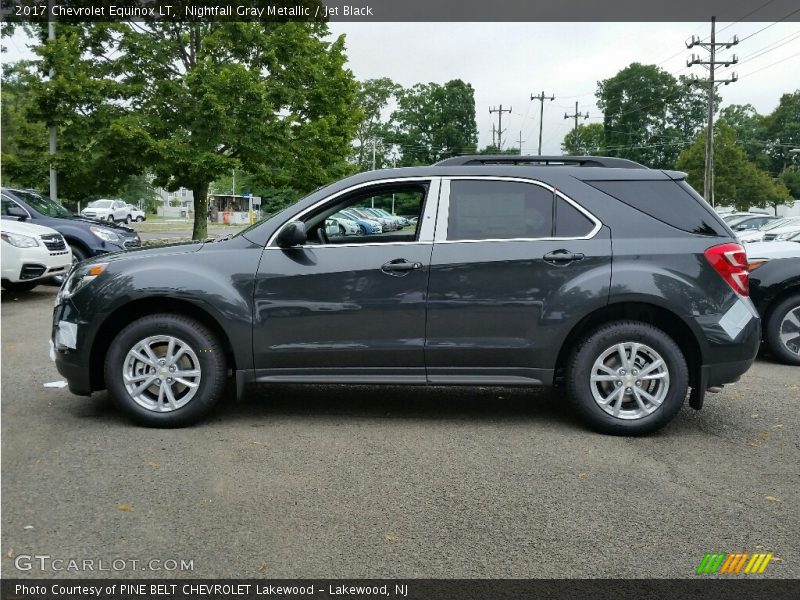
{"x": 99, "y": 204}
{"x": 46, "y": 206}
{"x": 780, "y": 223}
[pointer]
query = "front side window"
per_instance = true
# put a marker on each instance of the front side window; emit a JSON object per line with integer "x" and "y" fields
{"x": 45, "y": 206}
{"x": 482, "y": 210}
{"x": 381, "y": 214}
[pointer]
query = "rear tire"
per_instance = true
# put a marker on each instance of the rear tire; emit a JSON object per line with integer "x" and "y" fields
{"x": 110, "y": 219}
{"x": 179, "y": 393}
{"x": 785, "y": 320}
{"x": 139, "y": 219}
{"x": 19, "y": 286}
{"x": 632, "y": 396}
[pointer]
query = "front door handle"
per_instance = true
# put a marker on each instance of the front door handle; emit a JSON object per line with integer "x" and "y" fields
{"x": 400, "y": 266}
{"x": 562, "y": 257}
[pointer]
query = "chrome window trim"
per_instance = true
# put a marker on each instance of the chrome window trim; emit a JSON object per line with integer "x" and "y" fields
{"x": 430, "y": 208}
{"x": 444, "y": 211}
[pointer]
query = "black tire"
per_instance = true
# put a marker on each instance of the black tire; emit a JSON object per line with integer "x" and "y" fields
{"x": 772, "y": 330}
{"x": 128, "y": 220}
{"x": 139, "y": 219}
{"x": 342, "y": 231}
{"x": 78, "y": 254}
{"x": 207, "y": 349}
{"x": 362, "y": 230}
{"x": 600, "y": 341}
{"x": 19, "y": 286}
{"x": 110, "y": 219}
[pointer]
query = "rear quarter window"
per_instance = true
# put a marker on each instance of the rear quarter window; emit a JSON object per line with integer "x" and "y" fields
{"x": 665, "y": 200}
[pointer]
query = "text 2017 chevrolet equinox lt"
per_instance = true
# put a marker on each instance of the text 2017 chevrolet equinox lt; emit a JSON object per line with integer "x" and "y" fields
{"x": 617, "y": 281}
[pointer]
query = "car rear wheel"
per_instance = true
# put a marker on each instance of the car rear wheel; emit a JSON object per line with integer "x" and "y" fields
{"x": 110, "y": 218}
{"x": 19, "y": 286}
{"x": 782, "y": 331}
{"x": 165, "y": 370}
{"x": 128, "y": 220}
{"x": 627, "y": 378}
{"x": 139, "y": 219}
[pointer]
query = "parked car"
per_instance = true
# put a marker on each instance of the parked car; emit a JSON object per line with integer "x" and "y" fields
{"x": 731, "y": 216}
{"x": 750, "y": 222}
{"x": 136, "y": 214}
{"x": 784, "y": 226}
{"x": 365, "y": 226}
{"x": 387, "y": 223}
{"x": 108, "y": 210}
{"x": 86, "y": 237}
{"x": 763, "y": 251}
{"x": 776, "y": 294}
{"x": 30, "y": 254}
{"x": 508, "y": 280}
{"x": 340, "y": 226}
{"x": 399, "y": 221}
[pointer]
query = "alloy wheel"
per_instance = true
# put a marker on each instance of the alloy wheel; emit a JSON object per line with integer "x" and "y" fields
{"x": 790, "y": 331}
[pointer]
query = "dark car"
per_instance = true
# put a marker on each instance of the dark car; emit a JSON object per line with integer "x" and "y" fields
{"x": 616, "y": 281}
{"x": 86, "y": 237}
{"x": 776, "y": 294}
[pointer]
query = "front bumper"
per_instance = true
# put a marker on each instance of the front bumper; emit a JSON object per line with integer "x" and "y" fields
{"x": 70, "y": 348}
{"x": 30, "y": 264}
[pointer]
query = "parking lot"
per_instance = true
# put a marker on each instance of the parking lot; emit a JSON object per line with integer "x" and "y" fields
{"x": 328, "y": 481}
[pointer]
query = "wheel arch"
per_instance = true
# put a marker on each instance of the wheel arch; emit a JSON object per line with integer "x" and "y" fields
{"x": 658, "y": 316}
{"x": 127, "y": 313}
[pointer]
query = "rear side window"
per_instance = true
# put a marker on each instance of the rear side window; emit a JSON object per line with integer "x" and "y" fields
{"x": 570, "y": 222}
{"x": 485, "y": 210}
{"x": 666, "y": 201}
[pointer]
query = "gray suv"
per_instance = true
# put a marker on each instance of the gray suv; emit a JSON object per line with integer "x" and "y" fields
{"x": 615, "y": 281}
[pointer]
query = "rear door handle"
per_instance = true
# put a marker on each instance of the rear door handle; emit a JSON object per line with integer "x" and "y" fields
{"x": 562, "y": 257}
{"x": 400, "y": 266}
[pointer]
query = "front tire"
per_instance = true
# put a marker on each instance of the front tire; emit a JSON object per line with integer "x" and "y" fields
{"x": 782, "y": 331}
{"x": 627, "y": 378}
{"x": 139, "y": 219}
{"x": 165, "y": 370}
{"x": 110, "y": 219}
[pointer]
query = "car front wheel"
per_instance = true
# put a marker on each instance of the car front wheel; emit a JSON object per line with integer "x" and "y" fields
{"x": 165, "y": 370}
{"x": 110, "y": 218}
{"x": 782, "y": 331}
{"x": 627, "y": 378}
{"x": 139, "y": 219}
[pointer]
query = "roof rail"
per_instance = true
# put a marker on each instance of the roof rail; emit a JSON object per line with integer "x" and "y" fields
{"x": 515, "y": 159}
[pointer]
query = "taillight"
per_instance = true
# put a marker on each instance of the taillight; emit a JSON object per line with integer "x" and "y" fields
{"x": 730, "y": 261}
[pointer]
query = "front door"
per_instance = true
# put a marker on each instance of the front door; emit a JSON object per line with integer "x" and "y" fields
{"x": 349, "y": 304}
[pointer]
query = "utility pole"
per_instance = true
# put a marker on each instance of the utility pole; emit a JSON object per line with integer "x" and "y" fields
{"x": 575, "y": 116}
{"x": 520, "y": 143}
{"x": 541, "y": 98}
{"x": 500, "y": 130}
{"x": 374, "y": 143}
{"x": 51, "y": 37}
{"x": 494, "y": 134}
{"x": 711, "y": 46}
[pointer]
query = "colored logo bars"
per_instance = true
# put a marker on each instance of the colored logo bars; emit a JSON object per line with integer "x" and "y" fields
{"x": 734, "y": 563}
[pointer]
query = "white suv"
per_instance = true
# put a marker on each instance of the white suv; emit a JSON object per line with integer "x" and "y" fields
{"x": 30, "y": 254}
{"x": 107, "y": 210}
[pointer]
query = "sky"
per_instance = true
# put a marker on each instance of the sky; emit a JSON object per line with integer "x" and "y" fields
{"x": 507, "y": 62}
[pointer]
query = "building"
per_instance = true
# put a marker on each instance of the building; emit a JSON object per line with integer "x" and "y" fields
{"x": 182, "y": 198}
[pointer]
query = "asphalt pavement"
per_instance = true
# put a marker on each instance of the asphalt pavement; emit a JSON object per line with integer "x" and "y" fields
{"x": 347, "y": 482}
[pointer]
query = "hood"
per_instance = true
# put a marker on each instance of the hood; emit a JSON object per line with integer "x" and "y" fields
{"x": 138, "y": 254}
{"x": 118, "y": 228}
{"x": 772, "y": 250}
{"x": 25, "y": 228}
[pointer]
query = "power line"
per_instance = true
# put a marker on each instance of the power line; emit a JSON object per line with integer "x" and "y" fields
{"x": 770, "y": 65}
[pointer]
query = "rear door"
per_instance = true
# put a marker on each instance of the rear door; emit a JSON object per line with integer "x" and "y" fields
{"x": 515, "y": 266}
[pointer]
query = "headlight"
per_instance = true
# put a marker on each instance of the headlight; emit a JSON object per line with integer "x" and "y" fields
{"x": 20, "y": 241}
{"x": 78, "y": 278}
{"x": 104, "y": 234}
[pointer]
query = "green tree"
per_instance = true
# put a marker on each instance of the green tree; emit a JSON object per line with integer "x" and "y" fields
{"x": 372, "y": 99}
{"x": 589, "y": 139}
{"x": 433, "y": 122}
{"x": 190, "y": 101}
{"x": 648, "y": 115}
{"x": 783, "y": 132}
{"x": 750, "y": 128}
{"x": 737, "y": 181}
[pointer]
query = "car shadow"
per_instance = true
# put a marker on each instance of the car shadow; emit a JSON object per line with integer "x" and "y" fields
{"x": 323, "y": 402}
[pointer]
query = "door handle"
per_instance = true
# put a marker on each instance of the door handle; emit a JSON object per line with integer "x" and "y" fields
{"x": 400, "y": 266}
{"x": 562, "y": 257}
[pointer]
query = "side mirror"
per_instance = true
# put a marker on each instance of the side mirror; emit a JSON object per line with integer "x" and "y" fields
{"x": 293, "y": 234}
{"x": 17, "y": 212}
